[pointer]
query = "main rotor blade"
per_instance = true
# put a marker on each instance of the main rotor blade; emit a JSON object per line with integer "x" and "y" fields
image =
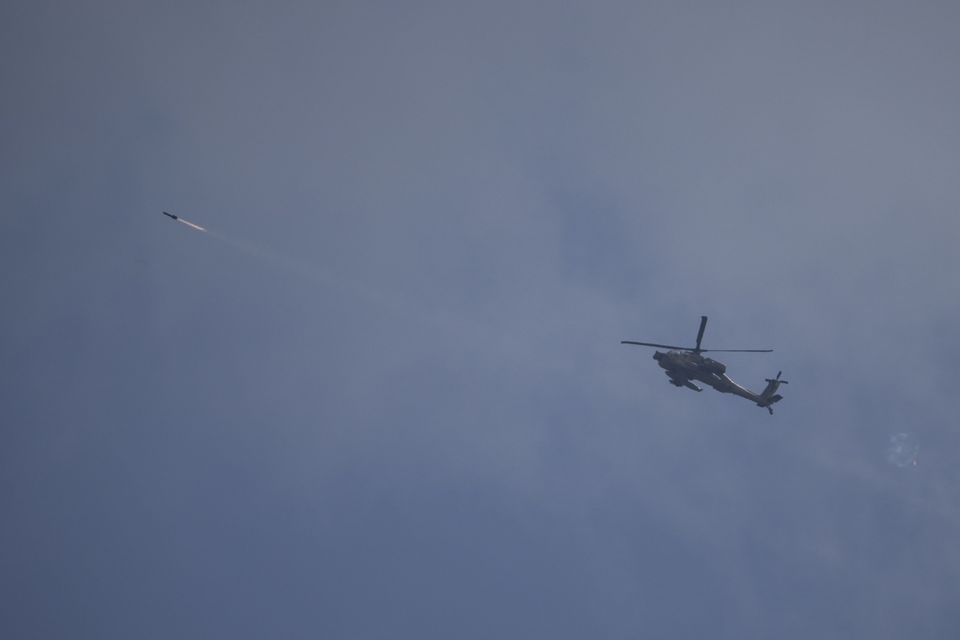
{"x": 654, "y": 344}
{"x": 739, "y": 350}
{"x": 703, "y": 325}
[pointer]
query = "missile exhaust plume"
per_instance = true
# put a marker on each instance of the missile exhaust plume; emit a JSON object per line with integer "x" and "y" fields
{"x": 191, "y": 225}
{"x": 386, "y": 300}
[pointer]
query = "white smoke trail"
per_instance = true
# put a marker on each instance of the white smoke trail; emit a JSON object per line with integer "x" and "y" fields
{"x": 191, "y": 225}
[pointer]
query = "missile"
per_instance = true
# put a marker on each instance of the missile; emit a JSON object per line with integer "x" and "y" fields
{"x": 186, "y": 222}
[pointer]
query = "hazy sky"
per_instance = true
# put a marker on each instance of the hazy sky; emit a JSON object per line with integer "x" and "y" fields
{"x": 385, "y": 397}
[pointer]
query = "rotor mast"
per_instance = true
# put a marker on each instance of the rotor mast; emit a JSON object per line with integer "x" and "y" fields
{"x": 703, "y": 326}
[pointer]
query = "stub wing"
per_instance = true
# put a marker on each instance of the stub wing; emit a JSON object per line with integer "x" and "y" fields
{"x": 679, "y": 381}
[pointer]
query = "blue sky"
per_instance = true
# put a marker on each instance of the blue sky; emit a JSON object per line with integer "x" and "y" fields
{"x": 385, "y": 395}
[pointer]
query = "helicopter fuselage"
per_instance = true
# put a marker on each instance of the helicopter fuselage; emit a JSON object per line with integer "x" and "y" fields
{"x": 683, "y": 367}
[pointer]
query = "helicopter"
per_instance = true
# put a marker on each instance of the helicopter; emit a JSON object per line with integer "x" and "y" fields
{"x": 684, "y": 364}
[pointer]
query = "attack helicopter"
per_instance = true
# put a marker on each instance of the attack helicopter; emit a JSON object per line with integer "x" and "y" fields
{"x": 685, "y": 364}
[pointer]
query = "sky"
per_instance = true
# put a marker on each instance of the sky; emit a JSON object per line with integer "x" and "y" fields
{"x": 384, "y": 396}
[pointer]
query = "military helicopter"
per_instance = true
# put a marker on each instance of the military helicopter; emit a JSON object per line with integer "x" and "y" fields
{"x": 683, "y": 364}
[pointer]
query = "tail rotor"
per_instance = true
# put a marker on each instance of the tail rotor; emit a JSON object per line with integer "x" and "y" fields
{"x": 777, "y": 379}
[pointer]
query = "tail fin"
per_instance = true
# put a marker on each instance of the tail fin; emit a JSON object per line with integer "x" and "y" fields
{"x": 770, "y": 395}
